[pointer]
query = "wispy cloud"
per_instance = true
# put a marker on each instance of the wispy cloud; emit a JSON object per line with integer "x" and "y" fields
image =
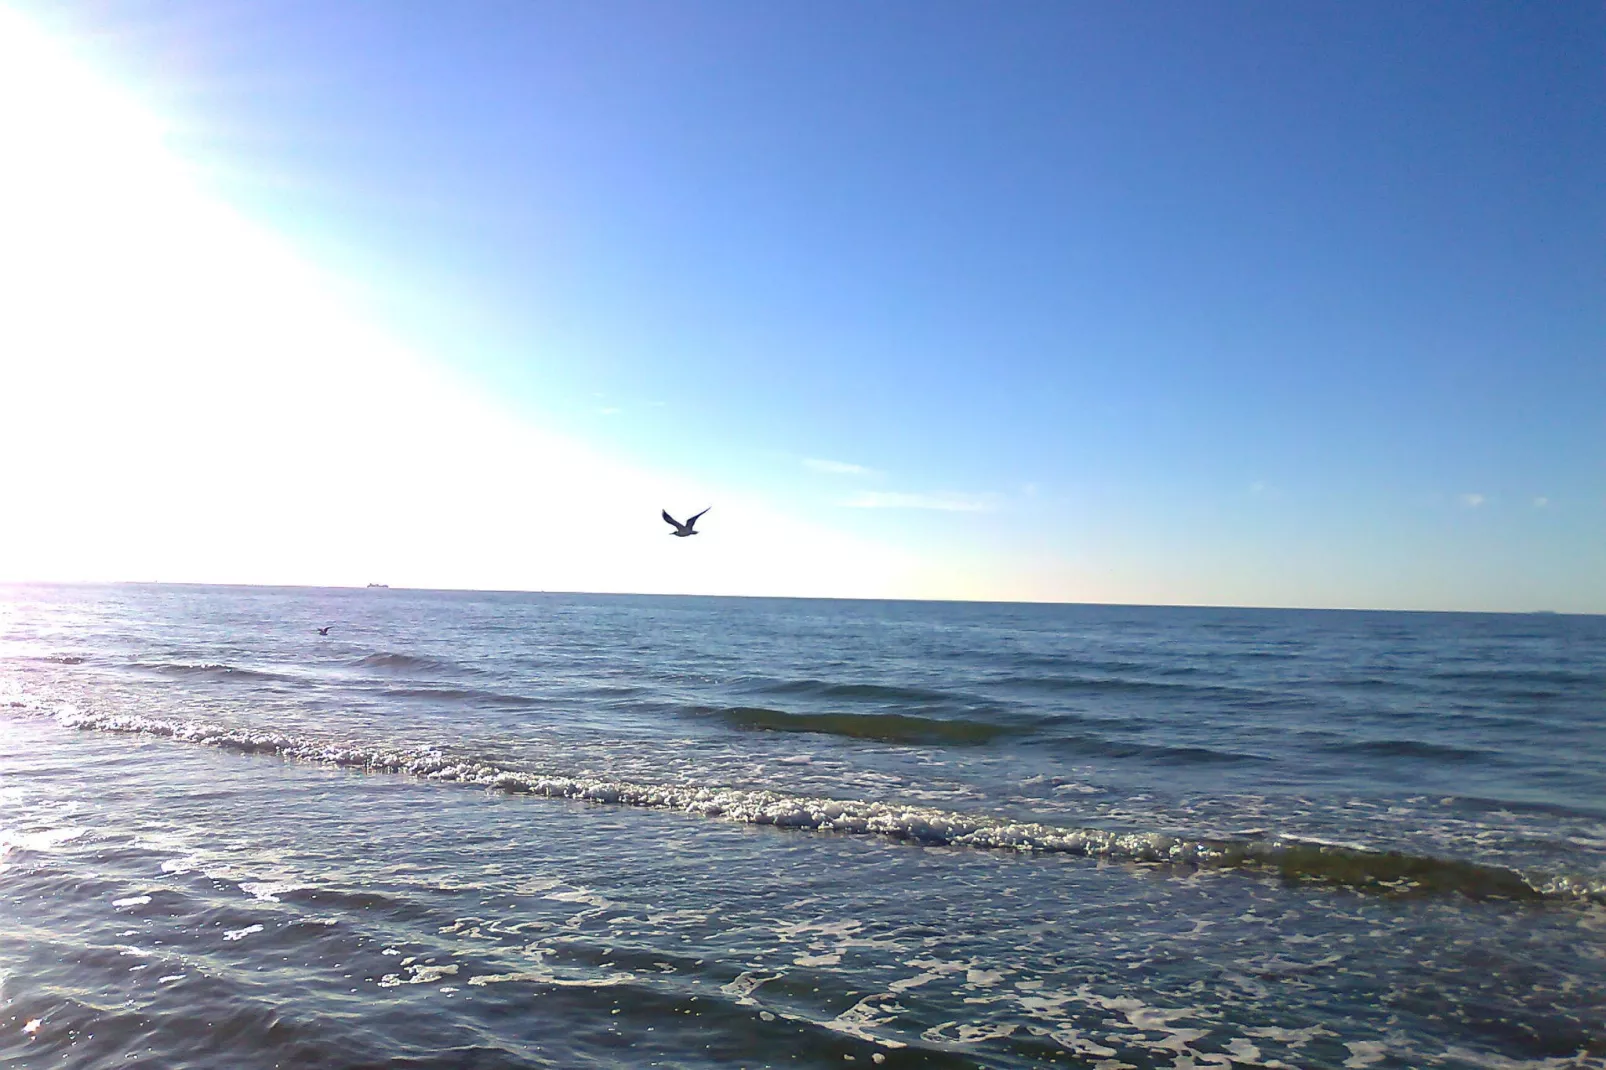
{"x": 1540, "y": 503}
{"x": 1472, "y": 501}
{"x": 943, "y": 501}
{"x": 837, "y": 468}
{"x": 609, "y": 410}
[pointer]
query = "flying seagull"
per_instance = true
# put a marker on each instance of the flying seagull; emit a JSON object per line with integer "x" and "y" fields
{"x": 325, "y": 629}
{"x": 682, "y": 530}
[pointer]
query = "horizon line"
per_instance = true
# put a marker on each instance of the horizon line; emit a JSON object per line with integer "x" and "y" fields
{"x": 797, "y": 597}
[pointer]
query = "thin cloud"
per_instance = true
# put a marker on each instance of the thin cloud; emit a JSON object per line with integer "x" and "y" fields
{"x": 1472, "y": 501}
{"x": 837, "y": 468}
{"x": 1540, "y": 503}
{"x": 946, "y": 501}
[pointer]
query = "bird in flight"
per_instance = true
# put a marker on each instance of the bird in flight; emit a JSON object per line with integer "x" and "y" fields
{"x": 325, "y": 629}
{"x": 683, "y": 530}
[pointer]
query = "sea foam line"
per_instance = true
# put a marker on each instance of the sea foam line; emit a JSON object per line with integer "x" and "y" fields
{"x": 1387, "y": 872}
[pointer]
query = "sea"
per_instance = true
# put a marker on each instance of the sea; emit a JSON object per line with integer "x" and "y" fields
{"x": 514, "y": 830}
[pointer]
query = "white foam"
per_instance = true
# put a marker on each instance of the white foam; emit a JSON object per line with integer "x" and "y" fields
{"x": 546, "y": 977}
{"x": 421, "y": 975}
{"x": 269, "y": 891}
{"x": 967, "y": 1032}
{"x": 46, "y": 840}
{"x": 1364, "y": 1053}
{"x": 863, "y": 1018}
{"x": 745, "y": 984}
{"x": 920, "y": 824}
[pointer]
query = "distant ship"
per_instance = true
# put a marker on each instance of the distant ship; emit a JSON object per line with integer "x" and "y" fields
{"x": 379, "y": 585}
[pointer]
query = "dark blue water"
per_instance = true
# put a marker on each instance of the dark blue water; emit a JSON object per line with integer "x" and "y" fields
{"x": 511, "y": 830}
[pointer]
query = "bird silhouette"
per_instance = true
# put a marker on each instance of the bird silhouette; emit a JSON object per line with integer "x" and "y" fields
{"x": 325, "y": 630}
{"x": 683, "y": 530}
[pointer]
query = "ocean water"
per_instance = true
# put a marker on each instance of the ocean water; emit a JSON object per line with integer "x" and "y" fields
{"x": 526, "y": 830}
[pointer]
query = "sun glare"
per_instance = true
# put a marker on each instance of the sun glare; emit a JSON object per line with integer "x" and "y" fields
{"x": 181, "y": 399}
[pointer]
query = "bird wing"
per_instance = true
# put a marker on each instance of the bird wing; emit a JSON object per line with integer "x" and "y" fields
{"x": 693, "y": 520}
{"x": 672, "y": 520}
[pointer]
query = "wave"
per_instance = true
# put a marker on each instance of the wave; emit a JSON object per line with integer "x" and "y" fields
{"x": 1041, "y": 682}
{"x": 860, "y": 692}
{"x": 916, "y": 730}
{"x": 1559, "y": 677}
{"x": 212, "y": 670}
{"x": 1376, "y": 683}
{"x": 1482, "y": 804}
{"x": 1104, "y": 747}
{"x": 1063, "y": 661}
{"x": 1100, "y": 721}
{"x": 1098, "y": 684}
{"x": 455, "y": 694}
{"x": 1187, "y": 755}
{"x": 885, "y": 727}
{"x": 1411, "y": 748}
{"x": 407, "y": 663}
{"x": 1385, "y": 872}
{"x": 1247, "y": 697}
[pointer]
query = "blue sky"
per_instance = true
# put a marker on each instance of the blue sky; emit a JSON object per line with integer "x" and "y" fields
{"x": 1231, "y": 303}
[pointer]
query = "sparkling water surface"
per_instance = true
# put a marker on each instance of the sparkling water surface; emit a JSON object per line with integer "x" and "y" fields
{"x": 519, "y": 830}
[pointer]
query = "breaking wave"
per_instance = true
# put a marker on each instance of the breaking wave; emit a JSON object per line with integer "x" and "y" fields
{"x": 210, "y": 670}
{"x": 406, "y": 663}
{"x": 1389, "y": 873}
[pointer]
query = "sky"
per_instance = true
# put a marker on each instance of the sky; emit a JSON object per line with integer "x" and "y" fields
{"x": 1229, "y": 304}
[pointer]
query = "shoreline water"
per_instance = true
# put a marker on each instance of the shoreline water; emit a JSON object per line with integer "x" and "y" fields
{"x": 519, "y": 832}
